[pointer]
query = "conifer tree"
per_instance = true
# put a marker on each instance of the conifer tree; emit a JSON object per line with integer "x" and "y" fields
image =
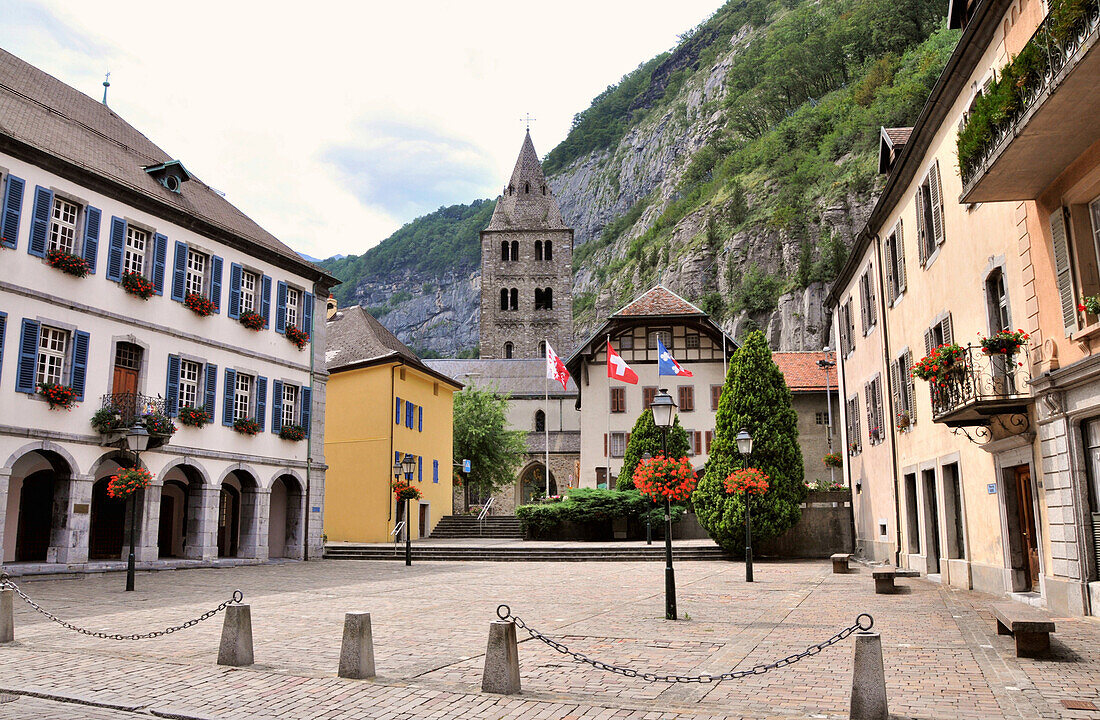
{"x": 754, "y": 398}
{"x": 645, "y": 437}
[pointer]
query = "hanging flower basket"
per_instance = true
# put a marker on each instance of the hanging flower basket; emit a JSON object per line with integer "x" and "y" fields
{"x": 747, "y": 480}
{"x": 402, "y": 490}
{"x": 293, "y": 432}
{"x": 127, "y": 482}
{"x": 297, "y": 336}
{"x": 246, "y": 426}
{"x": 833, "y": 460}
{"x": 252, "y": 320}
{"x": 67, "y": 263}
{"x": 158, "y": 424}
{"x": 193, "y": 416}
{"x": 199, "y": 305}
{"x": 137, "y": 285}
{"x": 107, "y": 420}
{"x": 943, "y": 363}
{"x": 1006, "y": 342}
{"x": 60, "y": 397}
{"x": 662, "y": 478}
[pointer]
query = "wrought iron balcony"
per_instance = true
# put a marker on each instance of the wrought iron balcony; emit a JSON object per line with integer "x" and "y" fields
{"x": 981, "y": 387}
{"x": 124, "y": 410}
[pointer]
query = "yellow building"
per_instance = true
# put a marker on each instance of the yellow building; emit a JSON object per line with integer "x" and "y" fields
{"x": 382, "y": 402}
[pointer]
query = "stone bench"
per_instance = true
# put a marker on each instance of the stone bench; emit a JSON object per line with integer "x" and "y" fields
{"x": 1030, "y": 627}
{"x": 840, "y": 563}
{"x": 884, "y": 578}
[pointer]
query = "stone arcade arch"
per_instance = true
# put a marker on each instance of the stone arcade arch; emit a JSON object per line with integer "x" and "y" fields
{"x": 239, "y": 513}
{"x": 109, "y": 518}
{"x": 286, "y": 518}
{"x": 179, "y": 530}
{"x": 41, "y": 484}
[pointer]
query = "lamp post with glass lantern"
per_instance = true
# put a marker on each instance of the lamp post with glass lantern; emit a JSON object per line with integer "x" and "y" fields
{"x": 664, "y": 408}
{"x": 137, "y": 440}
{"x": 648, "y": 524}
{"x": 825, "y": 364}
{"x": 406, "y": 467}
{"x": 744, "y": 446}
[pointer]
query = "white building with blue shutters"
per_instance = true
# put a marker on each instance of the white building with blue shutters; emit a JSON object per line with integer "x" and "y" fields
{"x": 133, "y": 290}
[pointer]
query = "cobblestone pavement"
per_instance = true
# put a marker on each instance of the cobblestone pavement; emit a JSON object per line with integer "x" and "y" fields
{"x": 943, "y": 657}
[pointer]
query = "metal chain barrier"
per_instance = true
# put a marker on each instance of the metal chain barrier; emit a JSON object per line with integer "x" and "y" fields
{"x": 6, "y": 582}
{"x": 864, "y": 622}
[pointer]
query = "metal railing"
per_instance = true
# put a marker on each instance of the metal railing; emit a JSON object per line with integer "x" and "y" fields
{"x": 397, "y": 536}
{"x": 980, "y": 378}
{"x": 481, "y": 515}
{"x": 131, "y": 407}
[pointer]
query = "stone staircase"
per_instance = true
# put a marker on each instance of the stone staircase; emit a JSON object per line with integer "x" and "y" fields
{"x": 536, "y": 551}
{"x": 467, "y": 526}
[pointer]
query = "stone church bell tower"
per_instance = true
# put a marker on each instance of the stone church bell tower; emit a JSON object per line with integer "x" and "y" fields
{"x": 526, "y": 268}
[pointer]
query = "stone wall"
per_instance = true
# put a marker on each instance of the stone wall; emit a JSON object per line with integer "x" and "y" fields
{"x": 825, "y": 528}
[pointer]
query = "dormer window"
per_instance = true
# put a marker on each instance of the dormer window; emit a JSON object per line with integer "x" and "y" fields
{"x": 170, "y": 174}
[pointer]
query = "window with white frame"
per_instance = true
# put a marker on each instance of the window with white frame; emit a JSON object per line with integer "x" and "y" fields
{"x": 665, "y": 336}
{"x": 63, "y": 225}
{"x": 292, "y": 297}
{"x": 894, "y": 248}
{"x": 618, "y": 444}
{"x": 242, "y": 397}
{"x": 248, "y": 292}
{"x": 290, "y": 404}
{"x": 137, "y": 242}
{"x": 53, "y": 345}
{"x": 190, "y": 372}
{"x": 196, "y": 272}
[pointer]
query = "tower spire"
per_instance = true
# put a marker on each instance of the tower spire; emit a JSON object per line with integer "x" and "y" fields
{"x": 106, "y": 84}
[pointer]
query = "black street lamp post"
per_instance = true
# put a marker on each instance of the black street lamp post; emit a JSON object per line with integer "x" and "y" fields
{"x": 407, "y": 467}
{"x": 664, "y": 408}
{"x": 137, "y": 440}
{"x": 648, "y": 524}
{"x": 744, "y": 446}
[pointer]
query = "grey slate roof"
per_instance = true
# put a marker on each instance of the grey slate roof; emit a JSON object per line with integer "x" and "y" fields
{"x": 354, "y": 336}
{"x": 42, "y": 112}
{"x": 535, "y": 209}
{"x": 517, "y": 378}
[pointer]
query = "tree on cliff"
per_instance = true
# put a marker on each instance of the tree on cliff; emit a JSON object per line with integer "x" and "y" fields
{"x": 481, "y": 436}
{"x": 754, "y": 398}
{"x": 645, "y": 437}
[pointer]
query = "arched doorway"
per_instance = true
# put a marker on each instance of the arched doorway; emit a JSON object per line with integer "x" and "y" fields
{"x": 178, "y": 532}
{"x": 237, "y": 518}
{"x": 284, "y": 530}
{"x": 37, "y": 508}
{"x": 533, "y": 483}
{"x": 107, "y": 533}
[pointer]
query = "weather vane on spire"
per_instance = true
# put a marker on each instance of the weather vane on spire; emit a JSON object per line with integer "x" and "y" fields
{"x": 528, "y": 120}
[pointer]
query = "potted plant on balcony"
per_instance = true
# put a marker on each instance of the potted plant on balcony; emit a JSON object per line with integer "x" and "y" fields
{"x": 107, "y": 420}
{"x": 944, "y": 363}
{"x": 192, "y": 416}
{"x": 833, "y": 460}
{"x": 297, "y": 336}
{"x": 1006, "y": 342}
{"x": 246, "y": 426}
{"x": 158, "y": 423}
{"x": 67, "y": 263}
{"x": 199, "y": 305}
{"x": 252, "y": 320}
{"x": 295, "y": 433}
{"x": 59, "y": 397}
{"x": 136, "y": 284}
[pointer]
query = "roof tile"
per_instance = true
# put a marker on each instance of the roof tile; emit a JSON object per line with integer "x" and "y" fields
{"x": 659, "y": 300}
{"x": 801, "y": 371}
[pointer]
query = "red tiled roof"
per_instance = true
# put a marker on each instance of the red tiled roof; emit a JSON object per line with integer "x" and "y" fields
{"x": 898, "y": 136}
{"x": 659, "y": 301}
{"x": 801, "y": 371}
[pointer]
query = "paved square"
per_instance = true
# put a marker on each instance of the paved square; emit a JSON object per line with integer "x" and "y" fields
{"x": 943, "y": 656}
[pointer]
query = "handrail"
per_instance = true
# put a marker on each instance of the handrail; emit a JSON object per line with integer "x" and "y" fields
{"x": 397, "y": 535}
{"x": 484, "y": 511}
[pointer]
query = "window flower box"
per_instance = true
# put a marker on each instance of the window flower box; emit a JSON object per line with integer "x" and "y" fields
{"x": 127, "y": 482}
{"x": 252, "y": 320}
{"x": 67, "y": 263}
{"x": 1006, "y": 342}
{"x": 193, "y": 416}
{"x": 297, "y": 336}
{"x": 903, "y": 421}
{"x": 293, "y": 432}
{"x": 137, "y": 285}
{"x": 199, "y": 305}
{"x": 60, "y": 397}
{"x": 246, "y": 426}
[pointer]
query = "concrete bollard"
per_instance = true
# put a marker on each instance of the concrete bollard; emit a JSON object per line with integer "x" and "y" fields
{"x": 868, "y": 679}
{"x": 357, "y": 649}
{"x": 7, "y": 615}
{"x": 501, "y": 659}
{"x": 236, "y": 645}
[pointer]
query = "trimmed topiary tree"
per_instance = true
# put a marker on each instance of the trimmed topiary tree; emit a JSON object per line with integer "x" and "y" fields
{"x": 645, "y": 437}
{"x": 755, "y": 398}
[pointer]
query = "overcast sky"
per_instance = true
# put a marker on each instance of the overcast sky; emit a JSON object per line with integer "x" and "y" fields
{"x": 333, "y": 124}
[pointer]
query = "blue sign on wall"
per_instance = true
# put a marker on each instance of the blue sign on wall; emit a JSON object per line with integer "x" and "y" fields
{"x": 991, "y": 488}
{"x": 465, "y": 466}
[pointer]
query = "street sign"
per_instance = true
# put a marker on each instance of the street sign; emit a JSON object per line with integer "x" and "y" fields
{"x": 465, "y": 466}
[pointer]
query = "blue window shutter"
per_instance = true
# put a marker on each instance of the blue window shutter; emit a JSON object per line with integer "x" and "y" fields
{"x": 160, "y": 258}
{"x": 410, "y": 414}
{"x": 276, "y": 406}
{"x": 230, "y": 389}
{"x": 211, "y": 389}
{"x": 307, "y": 314}
{"x": 435, "y": 471}
{"x": 12, "y": 208}
{"x": 234, "y": 291}
{"x": 396, "y": 411}
{"x": 40, "y": 221}
{"x": 420, "y": 468}
{"x": 265, "y": 300}
{"x": 3, "y": 334}
{"x": 179, "y": 273}
{"x": 92, "y": 218}
{"x": 172, "y": 391}
{"x": 261, "y": 401}
{"x": 396, "y": 457}
{"x": 114, "y": 249}
{"x": 80, "y": 363}
{"x": 420, "y": 419}
{"x": 305, "y": 397}
{"x": 280, "y": 308}
{"x": 28, "y": 358}
{"x": 216, "y": 282}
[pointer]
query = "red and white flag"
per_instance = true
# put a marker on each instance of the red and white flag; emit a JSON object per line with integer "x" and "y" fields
{"x": 617, "y": 369}
{"x": 555, "y": 368}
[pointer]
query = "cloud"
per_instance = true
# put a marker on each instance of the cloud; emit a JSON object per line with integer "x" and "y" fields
{"x": 407, "y": 170}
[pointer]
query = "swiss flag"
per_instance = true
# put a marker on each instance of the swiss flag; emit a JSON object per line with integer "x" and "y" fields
{"x": 555, "y": 368}
{"x": 617, "y": 369}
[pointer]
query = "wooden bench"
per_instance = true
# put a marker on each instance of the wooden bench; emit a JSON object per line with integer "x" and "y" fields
{"x": 1030, "y": 627}
{"x": 884, "y": 578}
{"x": 840, "y": 563}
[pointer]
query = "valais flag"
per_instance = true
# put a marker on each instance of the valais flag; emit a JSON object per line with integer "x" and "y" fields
{"x": 555, "y": 368}
{"x": 666, "y": 364}
{"x": 617, "y": 369}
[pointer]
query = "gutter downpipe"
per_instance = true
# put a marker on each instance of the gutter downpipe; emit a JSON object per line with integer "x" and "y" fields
{"x": 393, "y": 369}
{"x": 877, "y": 240}
{"x": 309, "y": 433}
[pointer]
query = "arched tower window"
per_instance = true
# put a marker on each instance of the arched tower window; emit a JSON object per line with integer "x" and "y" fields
{"x": 542, "y": 348}
{"x": 540, "y": 421}
{"x": 543, "y": 189}
{"x": 504, "y": 251}
{"x": 538, "y": 298}
{"x": 548, "y": 299}
{"x": 511, "y": 190}
{"x": 526, "y": 188}
{"x": 538, "y": 249}
{"x": 515, "y": 250}
{"x": 548, "y": 250}
{"x": 504, "y": 298}
{"x": 508, "y": 351}
{"x": 515, "y": 299}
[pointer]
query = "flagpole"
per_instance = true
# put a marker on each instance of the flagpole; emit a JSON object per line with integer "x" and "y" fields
{"x": 546, "y": 419}
{"x": 607, "y": 447}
